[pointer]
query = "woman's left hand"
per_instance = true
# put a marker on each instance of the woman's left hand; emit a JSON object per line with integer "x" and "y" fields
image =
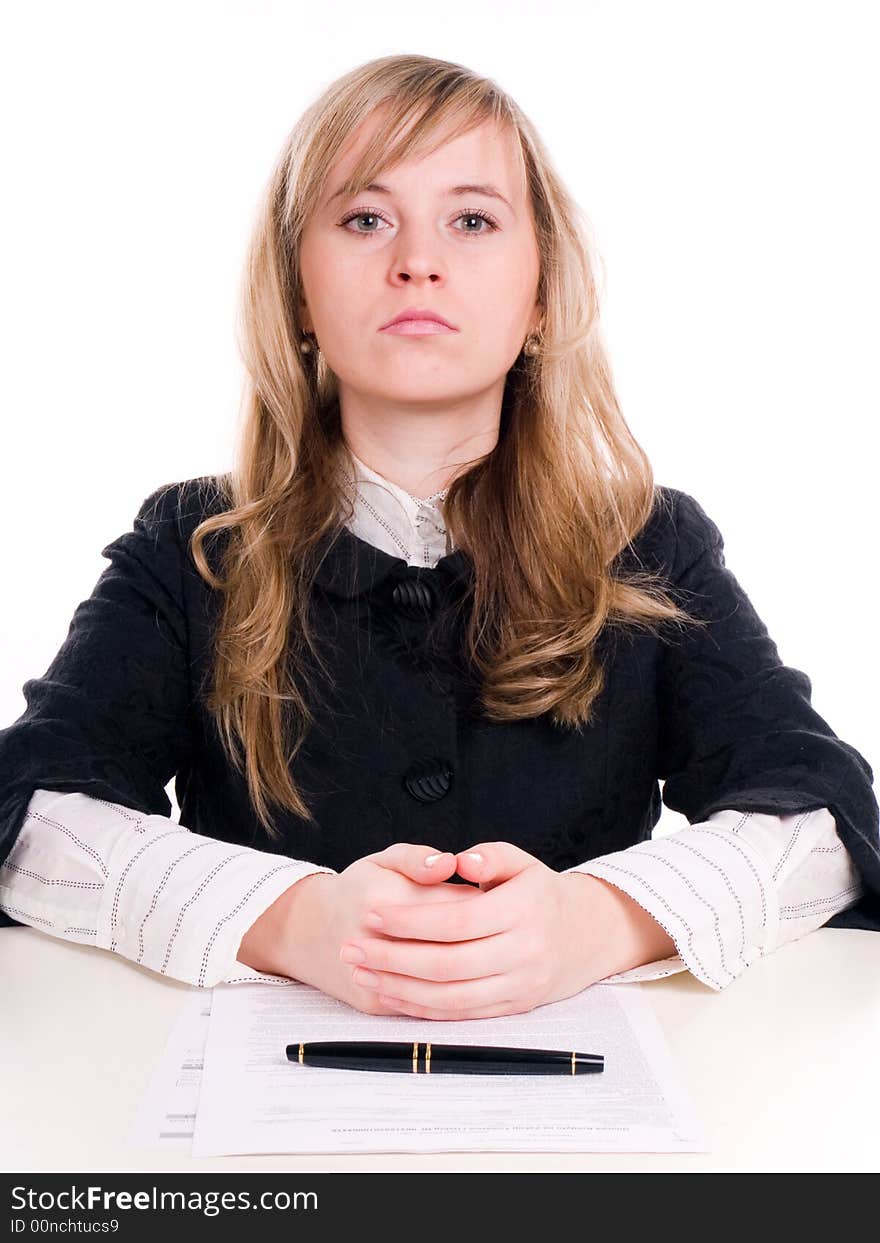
{"x": 528, "y": 936}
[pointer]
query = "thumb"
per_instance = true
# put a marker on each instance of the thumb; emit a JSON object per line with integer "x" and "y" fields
{"x": 419, "y": 863}
{"x": 492, "y": 863}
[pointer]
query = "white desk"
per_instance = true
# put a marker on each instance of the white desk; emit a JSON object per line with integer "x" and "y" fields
{"x": 783, "y": 1065}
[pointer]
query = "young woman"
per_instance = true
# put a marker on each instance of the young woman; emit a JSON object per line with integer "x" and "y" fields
{"x": 419, "y": 661}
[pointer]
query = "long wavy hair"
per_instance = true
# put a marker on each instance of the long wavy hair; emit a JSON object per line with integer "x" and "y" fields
{"x": 542, "y": 516}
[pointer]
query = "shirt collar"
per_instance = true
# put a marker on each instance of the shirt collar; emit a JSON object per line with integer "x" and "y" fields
{"x": 389, "y": 517}
{"x": 370, "y": 547}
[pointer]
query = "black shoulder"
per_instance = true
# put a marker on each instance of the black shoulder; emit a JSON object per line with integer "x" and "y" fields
{"x": 695, "y": 534}
{"x": 179, "y": 507}
{"x": 165, "y": 521}
{"x": 677, "y": 532}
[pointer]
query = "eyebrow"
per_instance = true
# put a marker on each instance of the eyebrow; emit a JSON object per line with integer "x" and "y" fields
{"x": 488, "y": 191}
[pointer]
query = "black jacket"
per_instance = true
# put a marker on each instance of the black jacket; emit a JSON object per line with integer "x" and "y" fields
{"x": 399, "y": 750}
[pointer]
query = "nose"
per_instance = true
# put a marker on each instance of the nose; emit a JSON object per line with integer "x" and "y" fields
{"x": 415, "y": 257}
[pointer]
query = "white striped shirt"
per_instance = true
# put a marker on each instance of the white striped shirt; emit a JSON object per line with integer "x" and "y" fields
{"x": 726, "y": 891}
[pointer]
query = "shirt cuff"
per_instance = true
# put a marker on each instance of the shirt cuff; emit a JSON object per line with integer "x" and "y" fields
{"x": 180, "y": 903}
{"x": 711, "y": 893}
{"x": 240, "y": 973}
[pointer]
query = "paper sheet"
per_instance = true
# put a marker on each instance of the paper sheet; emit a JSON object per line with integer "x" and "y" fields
{"x": 167, "y": 1116}
{"x": 253, "y": 1100}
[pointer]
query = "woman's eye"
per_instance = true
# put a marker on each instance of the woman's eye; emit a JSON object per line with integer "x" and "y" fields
{"x": 484, "y": 217}
{"x": 477, "y": 216}
{"x": 361, "y": 215}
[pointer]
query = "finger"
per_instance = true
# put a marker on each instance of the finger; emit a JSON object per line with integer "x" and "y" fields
{"x": 446, "y": 893}
{"x": 455, "y": 997}
{"x": 468, "y": 960}
{"x": 397, "y": 1006}
{"x": 492, "y": 863}
{"x": 477, "y": 915}
{"x": 439, "y": 894}
{"x": 422, "y": 864}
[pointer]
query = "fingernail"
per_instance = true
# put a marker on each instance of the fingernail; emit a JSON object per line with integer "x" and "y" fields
{"x": 374, "y": 920}
{"x": 475, "y": 856}
{"x": 430, "y": 860}
{"x": 351, "y": 953}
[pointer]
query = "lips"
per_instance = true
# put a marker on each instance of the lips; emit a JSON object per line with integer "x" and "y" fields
{"x": 419, "y": 315}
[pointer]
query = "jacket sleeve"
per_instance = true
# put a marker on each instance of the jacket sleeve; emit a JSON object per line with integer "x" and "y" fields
{"x": 736, "y": 727}
{"x": 109, "y": 717}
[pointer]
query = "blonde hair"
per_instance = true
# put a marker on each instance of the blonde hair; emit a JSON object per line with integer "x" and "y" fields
{"x": 542, "y": 516}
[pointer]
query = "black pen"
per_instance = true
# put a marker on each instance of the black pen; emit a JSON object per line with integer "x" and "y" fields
{"x": 442, "y": 1059}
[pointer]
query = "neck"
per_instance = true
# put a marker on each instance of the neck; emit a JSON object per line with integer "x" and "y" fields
{"x": 420, "y": 452}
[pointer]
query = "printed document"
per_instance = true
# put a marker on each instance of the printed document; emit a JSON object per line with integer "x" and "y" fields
{"x": 253, "y": 1100}
{"x": 167, "y": 1116}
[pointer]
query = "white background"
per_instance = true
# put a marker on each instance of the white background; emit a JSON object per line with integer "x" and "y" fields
{"x": 725, "y": 154}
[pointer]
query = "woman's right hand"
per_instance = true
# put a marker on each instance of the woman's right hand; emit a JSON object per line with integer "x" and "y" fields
{"x": 301, "y": 934}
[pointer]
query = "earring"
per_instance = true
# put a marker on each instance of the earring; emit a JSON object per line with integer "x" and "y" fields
{"x": 531, "y": 346}
{"x": 305, "y": 345}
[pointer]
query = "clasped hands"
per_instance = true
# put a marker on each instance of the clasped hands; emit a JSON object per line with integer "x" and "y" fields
{"x": 528, "y": 935}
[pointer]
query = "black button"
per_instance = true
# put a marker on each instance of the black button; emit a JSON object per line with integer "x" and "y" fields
{"x": 413, "y": 596}
{"x": 427, "y": 780}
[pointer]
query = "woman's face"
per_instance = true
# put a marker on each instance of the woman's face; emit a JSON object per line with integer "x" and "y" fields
{"x": 418, "y": 243}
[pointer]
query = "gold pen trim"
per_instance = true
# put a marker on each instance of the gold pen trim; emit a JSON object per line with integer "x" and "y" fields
{"x": 415, "y": 1057}
{"x": 572, "y": 1061}
{"x": 301, "y": 1054}
{"x": 427, "y": 1059}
